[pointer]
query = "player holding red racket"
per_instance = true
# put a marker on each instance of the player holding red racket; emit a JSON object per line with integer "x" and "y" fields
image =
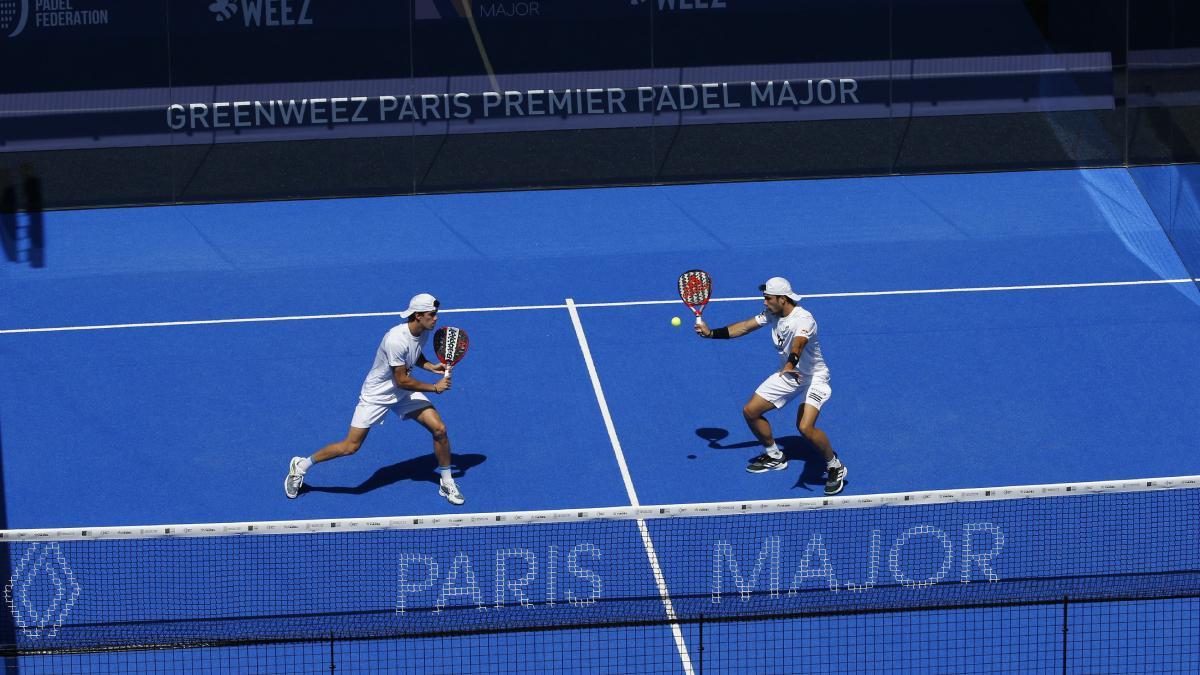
{"x": 695, "y": 287}
{"x": 390, "y": 386}
{"x": 802, "y": 374}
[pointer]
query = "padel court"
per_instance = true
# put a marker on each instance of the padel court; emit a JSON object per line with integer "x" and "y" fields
{"x": 982, "y": 330}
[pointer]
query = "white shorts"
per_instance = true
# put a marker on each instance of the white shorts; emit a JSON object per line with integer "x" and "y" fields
{"x": 367, "y": 415}
{"x": 779, "y": 389}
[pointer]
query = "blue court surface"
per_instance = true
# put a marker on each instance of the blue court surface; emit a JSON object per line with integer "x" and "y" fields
{"x": 981, "y": 330}
{"x": 195, "y": 422}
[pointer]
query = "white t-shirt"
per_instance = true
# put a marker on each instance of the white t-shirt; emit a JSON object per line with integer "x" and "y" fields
{"x": 398, "y": 348}
{"x": 800, "y": 323}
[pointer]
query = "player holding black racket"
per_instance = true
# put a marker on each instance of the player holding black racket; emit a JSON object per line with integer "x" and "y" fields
{"x": 390, "y": 386}
{"x": 450, "y": 345}
{"x": 802, "y": 372}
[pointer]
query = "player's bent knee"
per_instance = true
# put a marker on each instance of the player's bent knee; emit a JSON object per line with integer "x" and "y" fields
{"x": 350, "y": 447}
{"x": 439, "y": 433}
{"x": 749, "y": 412}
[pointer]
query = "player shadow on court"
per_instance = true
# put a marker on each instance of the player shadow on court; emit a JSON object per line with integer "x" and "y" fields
{"x": 419, "y": 469}
{"x": 795, "y": 448}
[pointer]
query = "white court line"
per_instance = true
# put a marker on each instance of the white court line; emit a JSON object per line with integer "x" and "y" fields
{"x": 266, "y": 319}
{"x": 659, "y": 579}
{"x": 631, "y": 303}
{"x": 859, "y": 294}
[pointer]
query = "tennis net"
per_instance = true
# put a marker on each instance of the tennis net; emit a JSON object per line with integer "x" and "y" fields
{"x": 1037, "y": 576}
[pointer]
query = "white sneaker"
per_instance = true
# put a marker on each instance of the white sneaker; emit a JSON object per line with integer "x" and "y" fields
{"x": 451, "y": 492}
{"x": 294, "y": 480}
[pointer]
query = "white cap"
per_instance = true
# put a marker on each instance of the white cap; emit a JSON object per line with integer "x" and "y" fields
{"x": 779, "y": 286}
{"x": 421, "y": 302}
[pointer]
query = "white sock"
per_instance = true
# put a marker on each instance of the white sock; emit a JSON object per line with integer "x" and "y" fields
{"x": 834, "y": 463}
{"x": 304, "y": 464}
{"x": 774, "y": 451}
{"x": 446, "y": 477}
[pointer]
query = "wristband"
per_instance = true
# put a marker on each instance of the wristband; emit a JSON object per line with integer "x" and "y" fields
{"x": 794, "y": 359}
{"x": 719, "y": 333}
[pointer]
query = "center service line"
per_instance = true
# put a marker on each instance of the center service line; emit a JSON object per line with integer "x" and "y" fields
{"x": 659, "y": 579}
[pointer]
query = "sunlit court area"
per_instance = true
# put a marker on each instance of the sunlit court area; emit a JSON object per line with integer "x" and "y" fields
{"x": 662, "y": 336}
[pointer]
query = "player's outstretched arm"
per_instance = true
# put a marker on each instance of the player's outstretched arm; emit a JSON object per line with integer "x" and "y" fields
{"x": 733, "y": 330}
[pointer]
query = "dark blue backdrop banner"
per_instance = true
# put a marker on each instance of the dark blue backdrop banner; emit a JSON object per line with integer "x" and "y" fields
{"x": 102, "y": 73}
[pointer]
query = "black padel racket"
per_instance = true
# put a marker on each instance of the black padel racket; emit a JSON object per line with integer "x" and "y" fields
{"x": 695, "y": 287}
{"x": 450, "y": 345}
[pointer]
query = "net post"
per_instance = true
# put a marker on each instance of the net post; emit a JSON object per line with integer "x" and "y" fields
{"x": 1066, "y": 603}
{"x": 332, "y": 664}
{"x": 701, "y": 659}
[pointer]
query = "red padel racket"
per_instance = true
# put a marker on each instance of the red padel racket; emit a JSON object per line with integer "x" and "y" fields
{"x": 450, "y": 345}
{"x": 695, "y": 287}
